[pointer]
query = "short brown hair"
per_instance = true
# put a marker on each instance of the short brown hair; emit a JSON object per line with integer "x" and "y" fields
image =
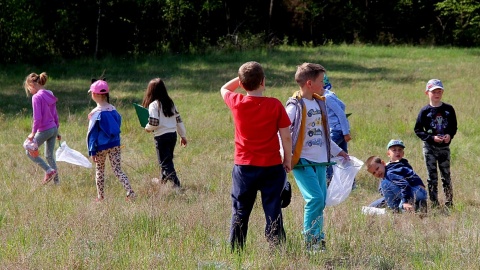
{"x": 308, "y": 71}
{"x": 372, "y": 160}
{"x": 251, "y": 75}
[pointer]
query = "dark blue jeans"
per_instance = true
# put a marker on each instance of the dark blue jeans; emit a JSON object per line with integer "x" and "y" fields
{"x": 379, "y": 203}
{"x": 247, "y": 180}
{"x": 165, "y": 145}
{"x": 393, "y": 195}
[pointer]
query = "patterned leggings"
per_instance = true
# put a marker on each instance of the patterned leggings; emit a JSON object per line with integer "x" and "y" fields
{"x": 114, "y": 154}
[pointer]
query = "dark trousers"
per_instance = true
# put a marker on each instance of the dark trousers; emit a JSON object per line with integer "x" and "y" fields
{"x": 247, "y": 180}
{"x": 165, "y": 145}
{"x": 438, "y": 155}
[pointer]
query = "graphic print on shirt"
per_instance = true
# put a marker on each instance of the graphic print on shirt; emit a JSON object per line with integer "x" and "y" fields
{"x": 314, "y": 133}
{"x": 438, "y": 122}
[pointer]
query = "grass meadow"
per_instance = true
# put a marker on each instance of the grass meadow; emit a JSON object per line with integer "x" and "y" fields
{"x": 61, "y": 227}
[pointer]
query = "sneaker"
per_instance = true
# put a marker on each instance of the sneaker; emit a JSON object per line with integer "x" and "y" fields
{"x": 131, "y": 196}
{"x": 178, "y": 189}
{"x": 422, "y": 207}
{"x": 49, "y": 176}
{"x": 56, "y": 180}
{"x": 354, "y": 185}
{"x": 449, "y": 204}
{"x": 317, "y": 247}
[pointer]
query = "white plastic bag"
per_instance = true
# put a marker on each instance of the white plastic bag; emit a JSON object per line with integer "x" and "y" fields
{"x": 368, "y": 210}
{"x": 344, "y": 173}
{"x": 67, "y": 154}
{"x": 31, "y": 146}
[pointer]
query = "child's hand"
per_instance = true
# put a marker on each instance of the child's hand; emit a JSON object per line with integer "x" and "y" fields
{"x": 31, "y": 136}
{"x": 408, "y": 207}
{"x": 94, "y": 158}
{"x": 287, "y": 164}
{"x": 446, "y": 138}
{"x": 344, "y": 155}
{"x": 59, "y": 137}
{"x": 183, "y": 142}
{"x": 438, "y": 139}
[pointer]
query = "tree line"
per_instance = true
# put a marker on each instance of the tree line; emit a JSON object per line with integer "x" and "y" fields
{"x": 34, "y": 30}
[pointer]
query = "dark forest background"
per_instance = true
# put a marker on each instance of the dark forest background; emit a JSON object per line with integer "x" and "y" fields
{"x": 34, "y": 30}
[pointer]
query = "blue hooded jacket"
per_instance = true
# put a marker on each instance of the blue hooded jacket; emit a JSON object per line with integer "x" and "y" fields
{"x": 402, "y": 175}
{"x": 104, "y": 130}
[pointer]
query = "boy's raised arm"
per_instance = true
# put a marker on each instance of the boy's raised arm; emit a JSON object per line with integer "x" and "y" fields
{"x": 230, "y": 86}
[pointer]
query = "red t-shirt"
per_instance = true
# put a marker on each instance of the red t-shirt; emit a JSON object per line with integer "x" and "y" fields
{"x": 257, "y": 121}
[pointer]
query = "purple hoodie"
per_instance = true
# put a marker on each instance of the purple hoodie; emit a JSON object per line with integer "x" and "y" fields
{"x": 44, "y": 111}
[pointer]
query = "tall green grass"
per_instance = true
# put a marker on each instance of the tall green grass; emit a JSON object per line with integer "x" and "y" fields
{"x": 60, "y": 227}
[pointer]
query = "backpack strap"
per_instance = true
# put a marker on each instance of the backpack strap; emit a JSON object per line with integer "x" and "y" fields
{"x": 297, "y": 129}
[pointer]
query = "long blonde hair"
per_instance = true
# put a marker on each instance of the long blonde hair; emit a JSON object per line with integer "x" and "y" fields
{"x": 34, "y": 78}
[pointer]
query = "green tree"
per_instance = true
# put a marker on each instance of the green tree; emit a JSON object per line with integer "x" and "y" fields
{"x": 461, "y": 19}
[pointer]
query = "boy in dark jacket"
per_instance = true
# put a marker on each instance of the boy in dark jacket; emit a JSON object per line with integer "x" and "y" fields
{"x": 436, "y": 125}
{"x": 402, "y": 187}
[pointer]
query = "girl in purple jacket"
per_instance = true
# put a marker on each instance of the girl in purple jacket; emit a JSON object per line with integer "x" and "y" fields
{"x": 45, "y": 123}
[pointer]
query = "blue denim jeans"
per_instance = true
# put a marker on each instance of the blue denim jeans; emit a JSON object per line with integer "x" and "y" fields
{"x": 165, "y": 145}
{"x": 48, "y": 137}
{"x": 246, "y": 182}
{"x": 313, "y": 185}
{"x": 338, "y": 138}
{"x": 378, "y": 203}
{"x": 393, "y": 195}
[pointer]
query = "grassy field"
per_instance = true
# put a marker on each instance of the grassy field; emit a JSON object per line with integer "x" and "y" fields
{"x": 60, "y": 227}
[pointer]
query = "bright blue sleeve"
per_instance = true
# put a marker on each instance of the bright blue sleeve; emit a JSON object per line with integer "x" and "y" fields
{"x": 336, "y": 110}
{"x": 92, "y": 140}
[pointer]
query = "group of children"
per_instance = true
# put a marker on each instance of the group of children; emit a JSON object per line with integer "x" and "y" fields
{"x": 402, "y": 188}
{"x": 307, "y": 138}
{"x": 104, "y": 127}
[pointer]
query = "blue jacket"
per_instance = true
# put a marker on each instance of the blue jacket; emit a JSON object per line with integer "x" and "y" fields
{"x": 402, "y": 175}
{"x": 103, "y": 131}
{"x": 336, "y": 113}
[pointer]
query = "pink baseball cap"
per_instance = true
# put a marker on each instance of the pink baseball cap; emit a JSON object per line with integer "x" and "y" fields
{"x": 99, "y": 87}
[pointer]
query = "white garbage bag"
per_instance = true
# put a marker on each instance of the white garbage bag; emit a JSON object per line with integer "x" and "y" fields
{"x": 368, "y": 210}
{"x": 344, "y": 173}
{"x": 67, "y": 154}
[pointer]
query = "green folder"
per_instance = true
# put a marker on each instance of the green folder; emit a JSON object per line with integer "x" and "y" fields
{"x": 142, "y": 114}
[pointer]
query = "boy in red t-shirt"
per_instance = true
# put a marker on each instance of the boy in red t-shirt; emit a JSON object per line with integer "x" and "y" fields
{"x": 258, "y": 164}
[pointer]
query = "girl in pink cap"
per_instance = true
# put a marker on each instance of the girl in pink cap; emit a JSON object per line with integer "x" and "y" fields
{"x": 103, "y": 139}
{"x": 45, "y": 123}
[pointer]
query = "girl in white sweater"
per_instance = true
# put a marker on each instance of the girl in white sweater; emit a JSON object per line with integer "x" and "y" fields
{"x": 164, "y": 121}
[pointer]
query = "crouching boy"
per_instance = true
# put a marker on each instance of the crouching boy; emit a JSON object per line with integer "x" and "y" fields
{"x": 402, "y": 187}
